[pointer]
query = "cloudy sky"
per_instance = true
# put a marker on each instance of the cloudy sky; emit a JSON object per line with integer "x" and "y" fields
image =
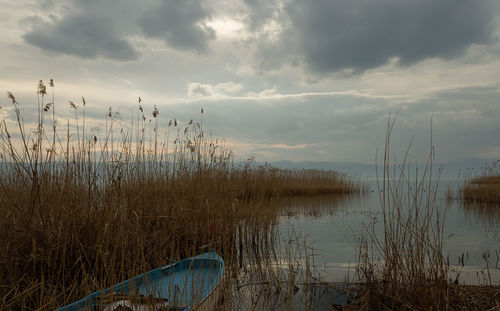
{"x": 278, "y": 79}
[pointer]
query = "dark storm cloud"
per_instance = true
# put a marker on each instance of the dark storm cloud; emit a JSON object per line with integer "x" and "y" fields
{"x": 259, "y": 12}
{"x": 92, "y": 29}
{"x": 334, "y": 35}
{"x": 179, "y": 23}
{"x": 83, "y": 35}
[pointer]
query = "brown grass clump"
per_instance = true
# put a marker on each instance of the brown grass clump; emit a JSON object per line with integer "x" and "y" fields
{"x": 81, "y": 211}
{"x": 267, "y": 181}
{"x": 405, "y": 268}
{"x": 482, "y": 189}
{"x": 469, "y": 297}
{"x": 461, "y": 297}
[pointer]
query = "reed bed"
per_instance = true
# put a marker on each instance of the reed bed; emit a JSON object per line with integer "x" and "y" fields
{"x": 404, "y": 268}
{"x": 81, "y": 211}
{"x": 484, "y": 188}
{"x": 274, "y": 182}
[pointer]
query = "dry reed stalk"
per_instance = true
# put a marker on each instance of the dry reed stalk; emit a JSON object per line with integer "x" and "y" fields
{"x": 405, "y": 269}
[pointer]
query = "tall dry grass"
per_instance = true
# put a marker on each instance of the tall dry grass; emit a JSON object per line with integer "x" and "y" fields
{"x": 81, "y": 211}
{"x": 485, "y": 187}
{"x": 403, "y": 267}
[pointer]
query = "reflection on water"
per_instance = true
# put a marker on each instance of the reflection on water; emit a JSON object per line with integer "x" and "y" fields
{"x": 486, "y": 213}
{"x": 304, "y": 297}
{"x": 331, "y": 223}
{"x": 314, "y": 206}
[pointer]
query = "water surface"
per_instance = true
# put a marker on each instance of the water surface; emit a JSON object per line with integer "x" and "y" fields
{"x": 332, "y": 223}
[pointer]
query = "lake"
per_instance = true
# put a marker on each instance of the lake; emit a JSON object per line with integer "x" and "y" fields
{"x": 331, "y": 223}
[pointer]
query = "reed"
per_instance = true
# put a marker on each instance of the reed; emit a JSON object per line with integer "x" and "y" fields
{"x": 80, "y": 211}
{"x": 404, "y": 268}
{"x": 483, "y": 188}
{"x": 267, "y": 181}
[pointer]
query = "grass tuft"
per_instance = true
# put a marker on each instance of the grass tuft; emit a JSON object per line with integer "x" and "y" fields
{"x": 404, "y": 268}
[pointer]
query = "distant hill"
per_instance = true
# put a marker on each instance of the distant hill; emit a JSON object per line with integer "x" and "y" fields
{"x": 465, "y": 167}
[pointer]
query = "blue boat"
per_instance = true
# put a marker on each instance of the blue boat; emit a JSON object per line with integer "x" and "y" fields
{"x": 188, "y": 284}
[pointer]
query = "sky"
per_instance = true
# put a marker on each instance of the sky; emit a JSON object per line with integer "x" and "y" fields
{"x": 277, "y": 79}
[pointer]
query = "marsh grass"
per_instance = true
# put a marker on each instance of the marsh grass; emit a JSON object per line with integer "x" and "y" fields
{"x": 483, "y": 188}
{"x": 81, "y": 211}
{"x": 404, "y": 268}
{"x": 284, "y": 279}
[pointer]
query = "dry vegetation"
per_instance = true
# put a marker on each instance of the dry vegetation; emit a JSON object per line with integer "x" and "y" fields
{"x": 404, "y": 269}
{"x": 485, "y": 188}
{"x": 81, "y": 211}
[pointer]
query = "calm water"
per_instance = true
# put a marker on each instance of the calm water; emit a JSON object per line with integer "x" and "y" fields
{"x": 331, "y": 223}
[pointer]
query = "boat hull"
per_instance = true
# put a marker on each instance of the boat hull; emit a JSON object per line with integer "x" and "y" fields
{"x": 189, "y": 284}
